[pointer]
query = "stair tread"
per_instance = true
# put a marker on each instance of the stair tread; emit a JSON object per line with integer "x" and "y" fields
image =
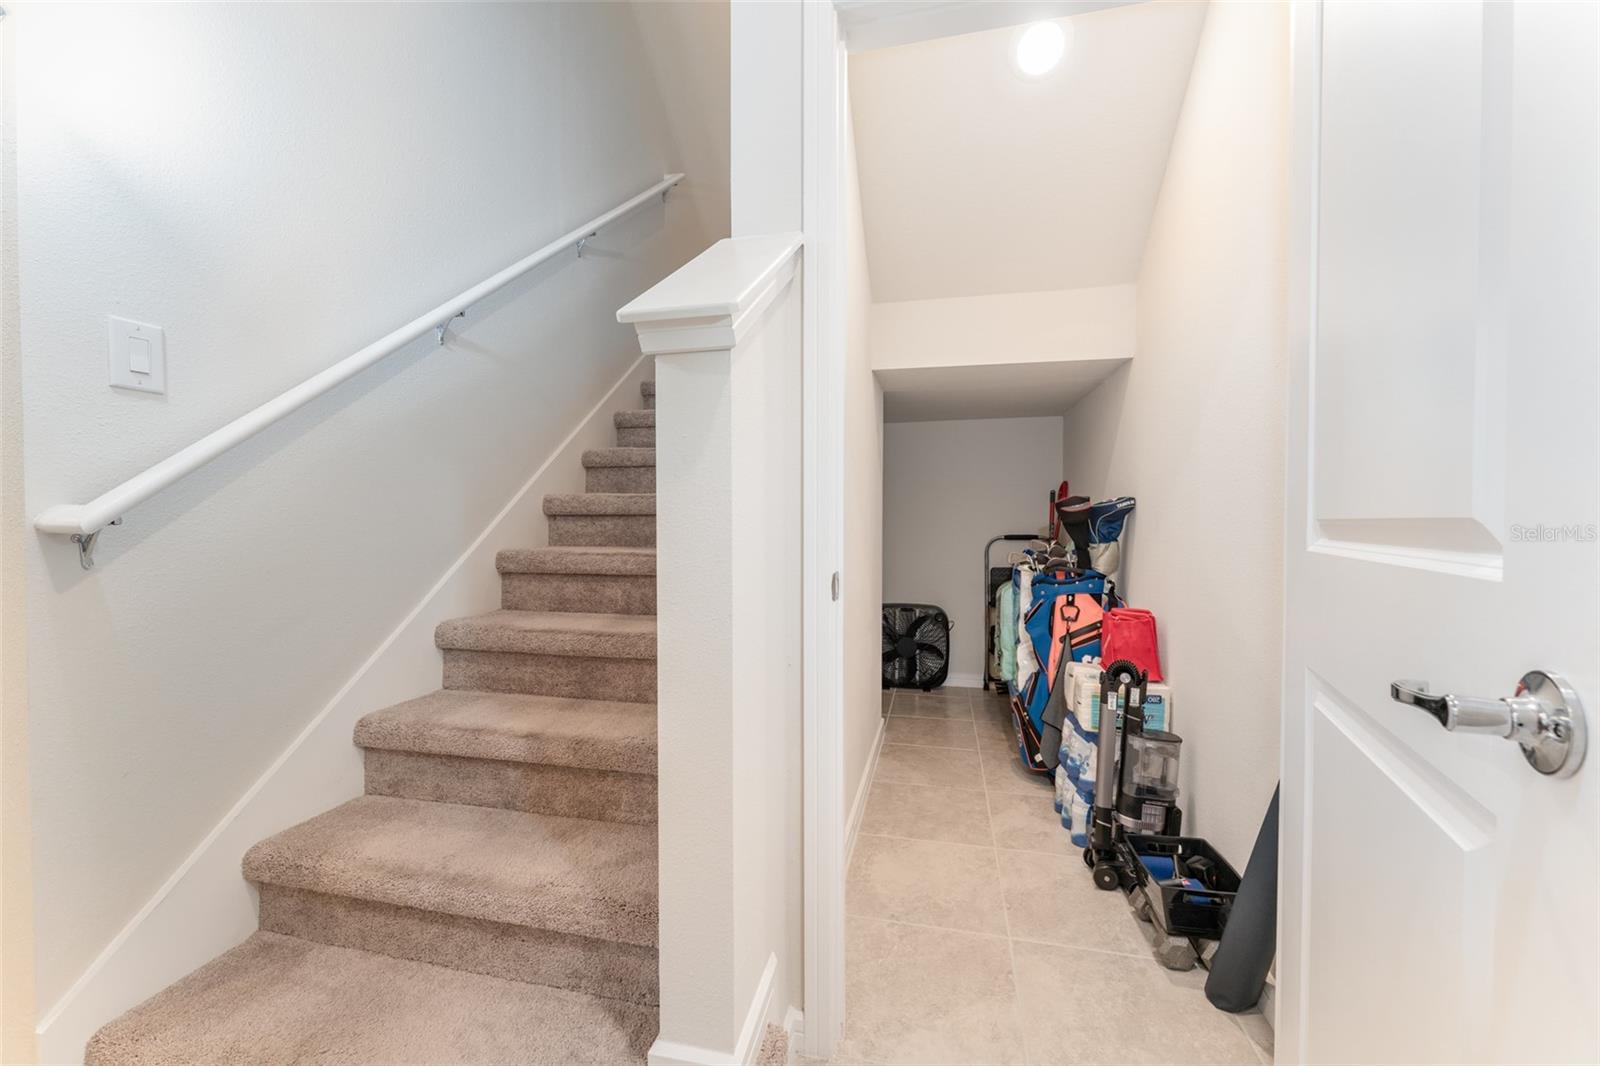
{"x": 569, "y": 875}
{"x": 600, "y": 503}
{"x": 618, "y": 456}
{"x": 278, "y": 999}
{"x": 608, "y": 636}
{"x": 640, "y": 562}
{"x": 645, "y": 419}
{"x": 514, "y": 727}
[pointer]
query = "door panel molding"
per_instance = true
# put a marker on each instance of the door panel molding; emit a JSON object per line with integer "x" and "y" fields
{"x": 1454, "y": 810}
{"x": 1412, "y": 174}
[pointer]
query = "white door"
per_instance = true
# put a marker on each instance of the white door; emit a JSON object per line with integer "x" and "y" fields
{"x": 1441, "y": 897}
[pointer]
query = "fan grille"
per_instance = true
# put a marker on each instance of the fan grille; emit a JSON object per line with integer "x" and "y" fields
{"x": 916, "y": 645}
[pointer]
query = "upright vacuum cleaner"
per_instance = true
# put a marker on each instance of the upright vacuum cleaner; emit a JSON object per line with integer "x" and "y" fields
{"x": 1135, "y": 780}
{"x": 1122, "y": 688}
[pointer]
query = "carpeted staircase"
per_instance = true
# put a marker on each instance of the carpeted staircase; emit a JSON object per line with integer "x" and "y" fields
{"x": 492, "y": 896}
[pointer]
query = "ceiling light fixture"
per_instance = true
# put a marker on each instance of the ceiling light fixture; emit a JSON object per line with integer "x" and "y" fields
{"x": 1040, "y": 48}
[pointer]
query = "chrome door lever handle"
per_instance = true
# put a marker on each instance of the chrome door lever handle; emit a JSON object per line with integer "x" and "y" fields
{"x": 1464, "y": 714}
{"x": 1545, "y": 717}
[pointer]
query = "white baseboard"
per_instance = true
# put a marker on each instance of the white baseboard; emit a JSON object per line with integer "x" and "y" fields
{"x": 858, "y": 806}
{"x": 1269, "y": 1003}
{"x": 206, "y": 906}
{"x": 963, "y": 681}
{"x": 673, "y": 1053}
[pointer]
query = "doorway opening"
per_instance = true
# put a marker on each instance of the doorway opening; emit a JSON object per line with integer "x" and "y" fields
{"x": 1064, "y": 284}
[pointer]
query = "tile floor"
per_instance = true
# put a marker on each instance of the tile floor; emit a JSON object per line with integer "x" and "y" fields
{"x": 974, "y": 933}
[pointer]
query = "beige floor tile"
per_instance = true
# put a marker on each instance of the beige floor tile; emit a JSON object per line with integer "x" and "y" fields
{"x": 1051, "y": 899}
{"x": 955, "y": 815}
{"x": 1003, "y": 772}
{"x": 932, "y": 705}
{"x": 938, "y": 767}
{"x": 997, "y": 694}
{"x": 1028, "y": 823}
{"x": 928, "y": 962}
{"x": 992, "y": 711}
{"x": 928, "y": 732}
{"x": 952, "y": 886}
{"x": 1002, "y": 741}
{"x": 928, "y": 996}
{"x": 992, "y": 722}
{"x": 1090, "y": 1007}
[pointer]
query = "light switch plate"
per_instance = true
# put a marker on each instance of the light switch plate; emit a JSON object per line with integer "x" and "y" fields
{"x": 138, "y": 353}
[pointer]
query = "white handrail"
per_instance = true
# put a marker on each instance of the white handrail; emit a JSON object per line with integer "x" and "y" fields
{"x": 84, "y": 521}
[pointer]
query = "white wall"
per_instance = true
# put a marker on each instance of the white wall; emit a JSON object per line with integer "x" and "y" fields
{"x": 277, "y": 186}
{"x": 1014, "y": 327}
{"x": 863, "y": 502}
{"x": 767, "y": 636}
{"x": 947, "y": 488}
{"x": 1193, "y": 426}
{"x": 765, "y": 76}
{"x": 16, "y": 887}
{"x": 686, "y": 45}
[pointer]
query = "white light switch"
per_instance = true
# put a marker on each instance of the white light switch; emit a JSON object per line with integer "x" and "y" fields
{"x": 138, "y": 356}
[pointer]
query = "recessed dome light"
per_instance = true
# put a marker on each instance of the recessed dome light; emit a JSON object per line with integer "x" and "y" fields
{"x": 1040, "y": 48}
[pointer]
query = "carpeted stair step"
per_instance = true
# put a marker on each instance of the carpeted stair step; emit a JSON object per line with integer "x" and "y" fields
{"x": 566, "y": 902}
{"x": 620, "y": 470}
{"x": 635, "y": 429}
{"x": 609, "y": 580}
{"x": 545, "y": 754}
{"x": 552, "y": 653}
{"x": 602, "y": 519}
{"x": 648, "y": 391}
{"x": 276, "y": 1000}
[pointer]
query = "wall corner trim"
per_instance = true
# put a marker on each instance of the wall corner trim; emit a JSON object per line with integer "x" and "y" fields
{"x": 673, "y": 1053}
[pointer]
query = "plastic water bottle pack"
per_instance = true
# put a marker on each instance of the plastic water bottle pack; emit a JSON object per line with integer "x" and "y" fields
{"x": 1074, "y": 780}
{"x": 1078, "y": 806}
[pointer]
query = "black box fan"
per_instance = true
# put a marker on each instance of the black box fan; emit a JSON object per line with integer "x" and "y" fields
{"x": 916, "y": 645}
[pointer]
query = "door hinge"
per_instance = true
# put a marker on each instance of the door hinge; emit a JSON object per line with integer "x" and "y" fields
{"x": 836, "y": 586}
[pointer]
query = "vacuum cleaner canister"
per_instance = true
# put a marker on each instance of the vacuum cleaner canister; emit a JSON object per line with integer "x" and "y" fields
{"x": 1147, "y": 801}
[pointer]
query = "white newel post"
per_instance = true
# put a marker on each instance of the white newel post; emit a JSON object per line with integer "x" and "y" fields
{"x": 725, "y": 333}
